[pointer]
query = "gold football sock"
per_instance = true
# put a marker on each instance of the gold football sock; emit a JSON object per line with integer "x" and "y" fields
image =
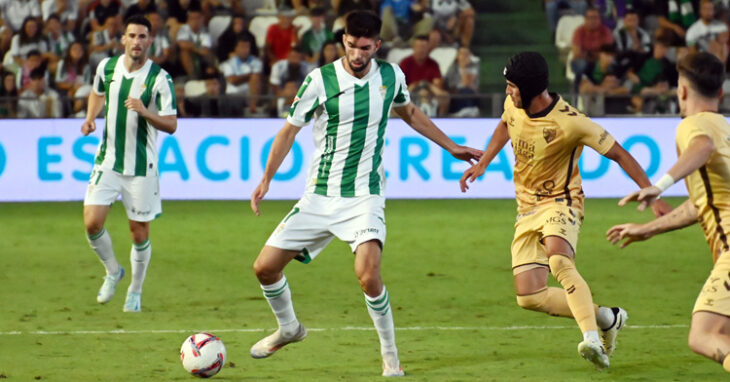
{"x": 548, "y": 300}
{"x": 577, "y": 292}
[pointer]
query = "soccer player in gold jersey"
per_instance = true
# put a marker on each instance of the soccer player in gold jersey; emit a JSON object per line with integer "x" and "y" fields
{"x": 703, "y": 147}
{"x": 547, "y": 137}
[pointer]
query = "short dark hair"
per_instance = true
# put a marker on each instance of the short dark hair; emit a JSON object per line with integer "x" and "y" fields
{"x": 137, "y": 20}
{"x": 317, "y": 11}
{"x": 363, "y": 24}
{"x": 704, "y": 71}
{"x": 34, "y": 52}
{"x": 53, "y": 16}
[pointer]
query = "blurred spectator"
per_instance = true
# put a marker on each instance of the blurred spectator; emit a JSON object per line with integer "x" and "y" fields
{"x": 454, "y": 19}
{"x": 601, "y": 76}
{"x": 286, "y": 77}
{"x": 195, "y": 44}
{"x": 66, "y": 10}
{"x": 425, "y": 98}
{"x": 106, "y": 42}
{"x": 421, "y": 69}
{"x": 39, "y": 101}
{"x": 243, "y": 79}
{"x": 707, "y": 34}
{"x": 633, "y": 44}
{"x": 656, "y": 77}
{"x": 462, "y": 80}
{"x": 674, "y": 17}
{"x": 8, "y": 95}
{"x": 160, "y": 49}
{"x": 100, "y": 11}
{"x": 419, "y": 66}
{"x": 204, "y": 102}
{"x": 328, "y": 53}
{"x": 141, "y": 7}
{"x": 177, "y": 14}
{"x": 403, "y": 19}
{"x": 554, "y": 9}
{"x": 235, "y": 31}
{"x": 314, "y": 38}
{"x": 14, "y": 12}
{"x": 281, "y": 37}
{"x": 32, "y": 62}
{"x": 73, "y": 71}
{"x": 612, "y": 11}
{"x": 29, "y": 39}
{"x": 79, "y": 103}
{"x": 59, "y": 40}
{"x": 6, "y": 36}
{"x": 587, "y": 41}
{"x": 343, "y": 7}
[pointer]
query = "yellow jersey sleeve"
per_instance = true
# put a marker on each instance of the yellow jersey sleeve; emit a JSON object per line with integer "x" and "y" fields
{"x": 592, "y": 134}
{"x": 687, "y": 130}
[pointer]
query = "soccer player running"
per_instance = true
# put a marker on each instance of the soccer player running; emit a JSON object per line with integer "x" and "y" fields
{"x": 547, "y": 137}
{"x": 140, "y": 99}
{"x": 703, "y": 146}
{"x": 350, "y": 101}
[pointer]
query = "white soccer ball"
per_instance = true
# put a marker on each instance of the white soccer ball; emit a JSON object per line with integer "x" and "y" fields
{"x": 203, "y": 355}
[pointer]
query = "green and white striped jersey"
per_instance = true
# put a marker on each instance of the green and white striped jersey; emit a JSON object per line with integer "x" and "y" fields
{"x": 129, "y": 143}
{"x": 350, "y": 115}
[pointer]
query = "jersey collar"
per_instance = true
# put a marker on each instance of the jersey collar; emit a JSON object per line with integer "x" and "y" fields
{"x": 548, "y": 109}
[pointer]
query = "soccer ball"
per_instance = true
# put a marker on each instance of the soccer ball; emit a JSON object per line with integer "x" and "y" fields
{"x": 203, "y": 355}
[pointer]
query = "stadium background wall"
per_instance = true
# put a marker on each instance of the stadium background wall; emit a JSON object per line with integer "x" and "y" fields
{"x": 208, "y": 159}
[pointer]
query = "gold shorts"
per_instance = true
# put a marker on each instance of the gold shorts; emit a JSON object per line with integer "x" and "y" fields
{"x": 715, "y": 294}
{"x": 532, "y": 227}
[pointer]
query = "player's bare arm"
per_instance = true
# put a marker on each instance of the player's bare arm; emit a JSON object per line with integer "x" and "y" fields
{"x": 499, "y": 139}
{"x": 682, "y": 216}
{"x": 166, "y": 123}
{"x": 415, "y": 118}
{"x": 96, "y": 103}
{"x": 697, "y": 154}
{"x": 627, "y": 162}
{"x": 279, "y": 149}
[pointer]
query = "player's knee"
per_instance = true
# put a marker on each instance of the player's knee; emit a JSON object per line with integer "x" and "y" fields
{"x": 533, "y": 301}
{"x": 93, "y": 227}
{"x": 370, "y": 283}
{"x": 696, "y": 342}
{"x": 560, "y": 265}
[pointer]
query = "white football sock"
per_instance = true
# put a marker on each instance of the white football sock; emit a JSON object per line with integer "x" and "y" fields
{"x": 101, "y": 243}
{"x": 140, "y": 259}
{"x": 380, "y": 312}
{"x": 278, "y": 295}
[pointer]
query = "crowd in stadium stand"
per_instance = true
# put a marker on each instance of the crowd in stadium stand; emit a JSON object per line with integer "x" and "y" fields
{"x": 228, "y": 58}
{"x": 625, "y": 51}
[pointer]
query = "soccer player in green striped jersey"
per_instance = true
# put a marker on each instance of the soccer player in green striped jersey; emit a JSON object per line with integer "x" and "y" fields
{"x": 349, "y": 101}
{"x": 140, "y": 99}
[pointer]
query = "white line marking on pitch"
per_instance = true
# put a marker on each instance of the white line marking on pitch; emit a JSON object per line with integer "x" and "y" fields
{"x": 347, "y": 328}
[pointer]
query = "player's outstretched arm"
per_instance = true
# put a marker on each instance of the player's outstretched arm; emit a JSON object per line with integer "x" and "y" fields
{"x": 499, "y": 139}
{"x": 415, "y": 118}
{"x": 682, "y": 216}
{"x": 697, "y": 154}
{"x": 279, "y": 149}
{"x": 96, "y": 103}
{"x": 627, "y": 162}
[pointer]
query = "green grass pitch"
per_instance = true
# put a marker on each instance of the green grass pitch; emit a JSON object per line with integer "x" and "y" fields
{"x": 446, "y": 264}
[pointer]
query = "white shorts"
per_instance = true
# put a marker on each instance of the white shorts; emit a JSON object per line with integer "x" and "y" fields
{"x": 140, "y": 194}
{"x": 315, "y": 220}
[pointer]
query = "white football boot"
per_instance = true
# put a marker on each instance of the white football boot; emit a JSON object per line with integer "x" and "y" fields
{"x": 609, "y": 335}
{"x": 133, "y": 303}
{"x": 270, "y": 344}
{"x": 594, "y": 352}
{"x": 391, "y": 365}
{"x": 106, "y": 292}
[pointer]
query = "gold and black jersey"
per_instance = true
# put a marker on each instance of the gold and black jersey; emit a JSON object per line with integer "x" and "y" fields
{"x": 547, "y": 147}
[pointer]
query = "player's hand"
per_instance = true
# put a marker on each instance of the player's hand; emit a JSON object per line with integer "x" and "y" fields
{"x": 660, "y": 207}
{"x": 646, "y": 196}
{"x": 468, "y": 154}
{"x": 471, "y": 175}
{"x": 630, "y": 231}
{"x": 136, "y": 105}
{"x": 88, "y": 127}
{"x": 257, "y": 196}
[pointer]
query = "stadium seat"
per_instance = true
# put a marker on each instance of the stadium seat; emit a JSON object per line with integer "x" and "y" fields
{"x": 564, "y": 34}
{"x": 444, "y": 56}
{"x": 217, "y": 25}
{"x": 304, "y": 24}
{"x": 194, "y": 88}
{"x": 568, "y": 70}
{"x": 258, "y": 27}
{"x": 396, "y": 55}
